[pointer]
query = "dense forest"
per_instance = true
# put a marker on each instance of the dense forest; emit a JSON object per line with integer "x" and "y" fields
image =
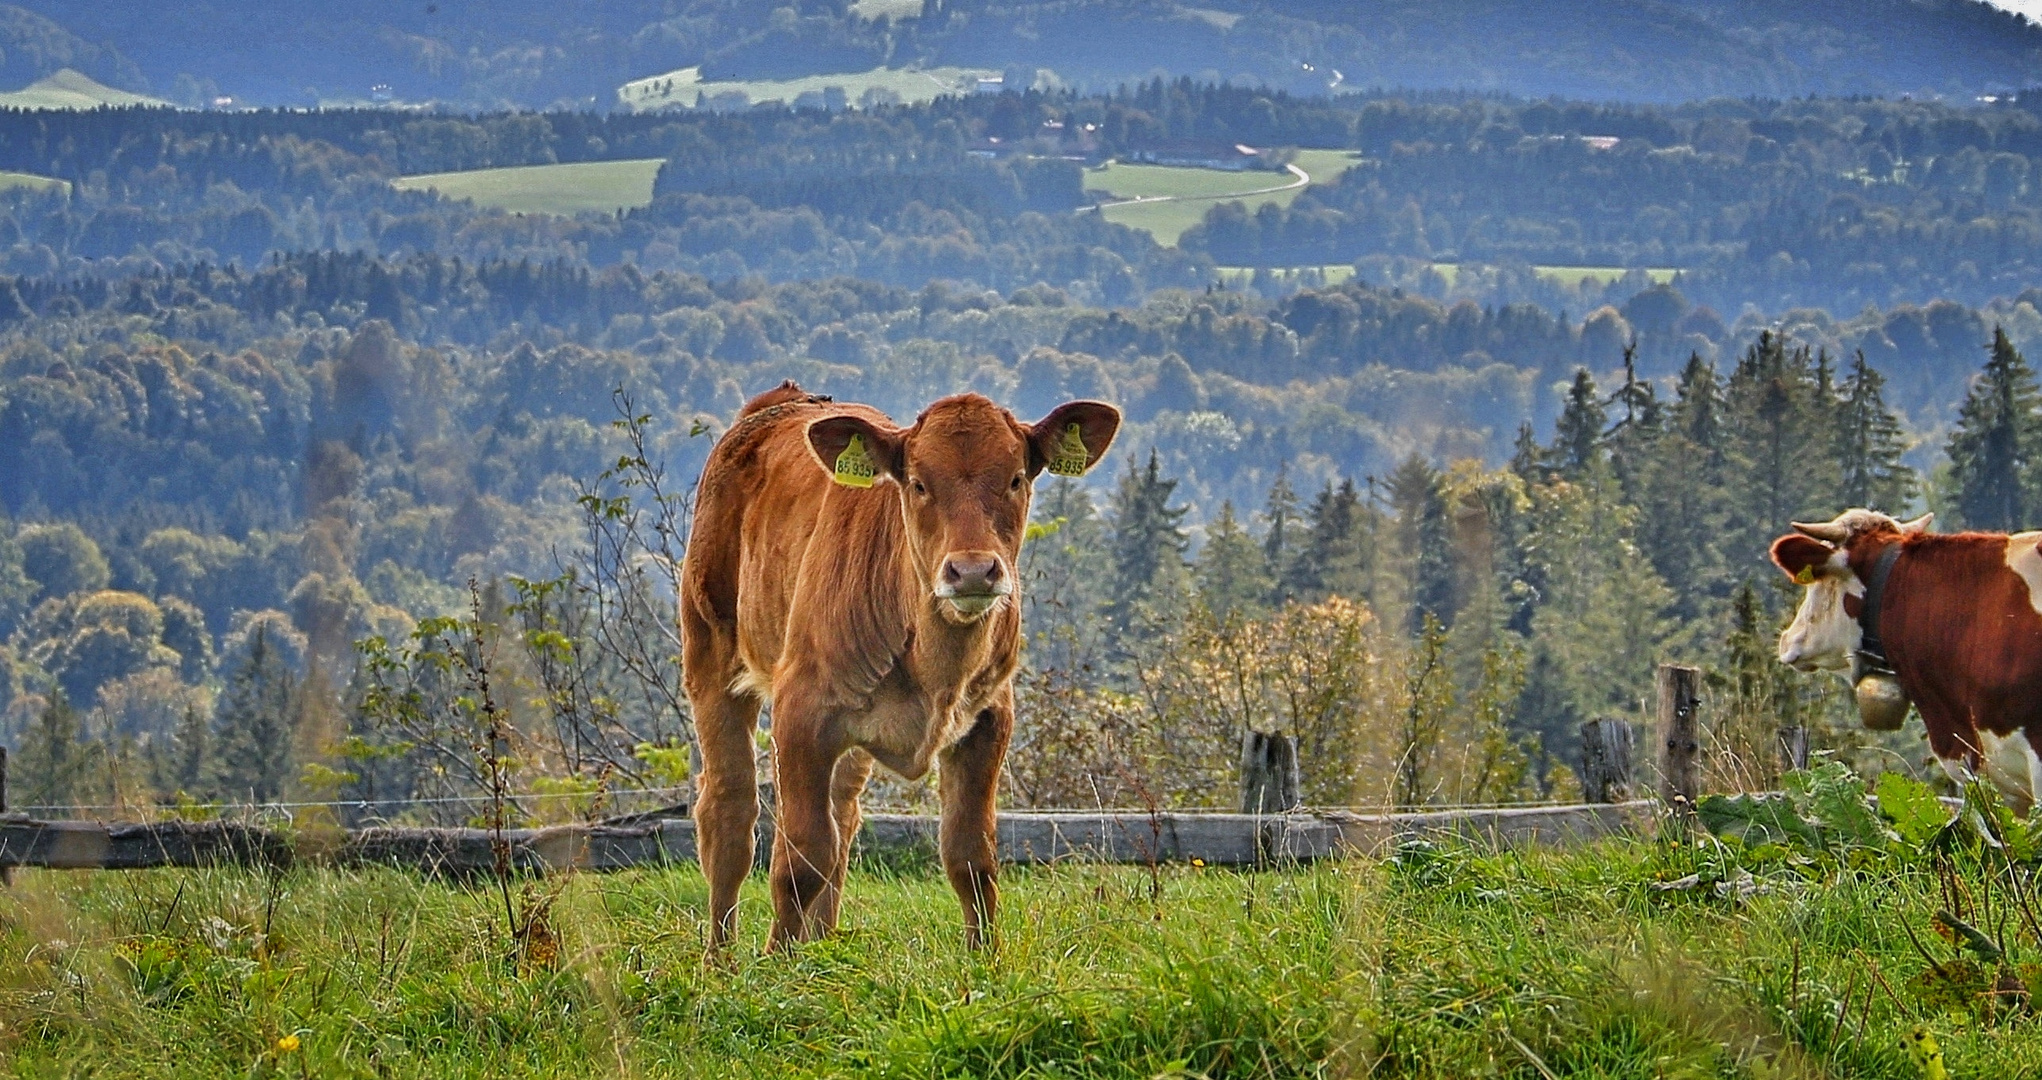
{"x": 520, "y": 53}
{"x": 293, "y": 462}
{"x": 1768, "y": 206}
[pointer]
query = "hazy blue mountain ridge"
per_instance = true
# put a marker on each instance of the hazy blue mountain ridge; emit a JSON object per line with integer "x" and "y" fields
{"x": 522, "y": 53}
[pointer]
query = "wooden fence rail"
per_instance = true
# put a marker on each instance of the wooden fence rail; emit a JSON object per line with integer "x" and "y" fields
{"x": 1123, "y": 837}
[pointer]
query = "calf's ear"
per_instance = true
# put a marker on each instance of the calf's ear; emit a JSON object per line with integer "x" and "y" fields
{"x": 855, "y": 451}
{"x": 1072, "y": 438}
{"x": 1802, "y": 557}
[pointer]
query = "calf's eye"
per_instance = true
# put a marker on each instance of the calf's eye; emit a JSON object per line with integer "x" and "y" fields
{"x": 1016, "y": 485}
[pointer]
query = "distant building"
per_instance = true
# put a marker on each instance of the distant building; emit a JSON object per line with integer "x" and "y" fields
{"x": 1197, "y": 153}
{"x": 991, "y": 84}
{"x": 381, "y": 92}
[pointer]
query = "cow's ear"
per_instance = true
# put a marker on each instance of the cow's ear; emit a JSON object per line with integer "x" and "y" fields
{"x": 855, "y": 451}
{"x": 1072, "y": 438}
{"x": 1802, "y": 557}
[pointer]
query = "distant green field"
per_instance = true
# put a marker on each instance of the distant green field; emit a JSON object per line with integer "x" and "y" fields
{"x": 69, "y": 89}
{"x": 1334, "y": 274}
{"x": 576, "y": 188}
{"x": 887, "y": 9}
{"x": 1184, "y": 194}
{"x": 685, "y": 87}
{"x": 10, "y": 181}
{"x": 1574, "y": 275}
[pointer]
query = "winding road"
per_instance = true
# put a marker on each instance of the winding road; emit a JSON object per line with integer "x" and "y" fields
{"x": 1303, "y": 178}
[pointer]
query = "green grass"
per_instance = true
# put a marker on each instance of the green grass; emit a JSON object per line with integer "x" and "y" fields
{"x": 69, "y": 89}
{"x": 10, "y": 181}
{"x": 685, "y": 86}
{"x": 1574, "y": 275}
{"x": 1333, "y": 274}
{"x": 1456, "y": 964}
{"x": 1192, "y": 191}
{"x": 602, "y": 186}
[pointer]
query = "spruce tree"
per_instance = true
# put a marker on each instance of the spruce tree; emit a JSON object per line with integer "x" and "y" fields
{"x": 53, "y": 759}
{"x": 1998, "y": 433}
{"x": 1324, "y": 563}
{"x": 1424, "y": 540}
{"x": 1577, "y": 438}
{"x": 1279, "y": 544}
{"x": 1781, "y": 424}
{"x": 1230, "y": 575}
{"x": 1869, "y": 444}
{"x": 1063, "y": 572}
{"x": 253, "y": 726}
{"x": 1683, "y": 505}
{"x": 1148, "y": 541}
{"x": 190, "y": 752}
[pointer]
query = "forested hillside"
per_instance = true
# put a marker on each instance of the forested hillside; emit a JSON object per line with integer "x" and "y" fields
{"x": 474, "y": 54}
{"x": 285, "y": 452}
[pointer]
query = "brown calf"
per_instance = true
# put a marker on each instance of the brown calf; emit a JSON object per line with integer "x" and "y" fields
{"x": 861, "y": 577}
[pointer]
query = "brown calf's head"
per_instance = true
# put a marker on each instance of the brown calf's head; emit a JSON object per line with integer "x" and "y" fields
{"x": 1825, "y": 635}
{"x": 966, "y": 470}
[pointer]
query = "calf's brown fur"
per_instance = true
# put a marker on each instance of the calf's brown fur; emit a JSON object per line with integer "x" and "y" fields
{"x": 881, "y": 622}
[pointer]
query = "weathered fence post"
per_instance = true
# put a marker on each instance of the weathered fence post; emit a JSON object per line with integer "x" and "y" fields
{"x": 1680, "y": 698}
{"x": 1606, "y": 760}
{"x": 1269, "y": 773}
{"x": 1793, "y": 747}
{"x": 6, "y": 872}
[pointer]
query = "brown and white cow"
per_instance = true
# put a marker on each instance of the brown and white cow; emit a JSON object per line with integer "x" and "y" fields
{"x": 861, "y": 577}
{"x": 1958, "y": 620}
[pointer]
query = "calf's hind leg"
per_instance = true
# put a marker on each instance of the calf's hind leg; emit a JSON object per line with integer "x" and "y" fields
{"x": 969, "y": 782}
{"x": 727, "y": 792}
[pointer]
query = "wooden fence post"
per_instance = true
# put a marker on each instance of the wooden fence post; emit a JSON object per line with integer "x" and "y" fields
{"x": 1606, "y": 760}
{"x": 1793, "y": 748}
{"x": 1270, "y": 781}
{"x": 6, "y": 872}
{"x": 1680, "y": 698}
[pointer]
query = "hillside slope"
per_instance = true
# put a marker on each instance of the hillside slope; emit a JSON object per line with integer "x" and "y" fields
{"x": 527, "y": 53}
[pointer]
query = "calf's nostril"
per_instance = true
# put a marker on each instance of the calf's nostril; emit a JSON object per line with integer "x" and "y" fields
{"x": 993, "y": 573}
{"x": 950, "y": 574}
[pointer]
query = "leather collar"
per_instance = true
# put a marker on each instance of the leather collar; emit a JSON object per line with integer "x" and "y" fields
{"x": 1871, "y": 648}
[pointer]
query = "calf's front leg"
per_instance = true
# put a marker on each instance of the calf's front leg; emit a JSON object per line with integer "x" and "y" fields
{"x": 806, "y": 846}
{"x": 969, "y": 782}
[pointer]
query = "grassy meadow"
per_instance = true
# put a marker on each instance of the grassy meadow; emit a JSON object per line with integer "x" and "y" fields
{"x": 684, "y": 88}
{"x": 68, "y": 89}
{"x": 1183, "y": 195}
{"x": 600, "y": 186}
{"x": 1440, "y": 962}
{"x": 1574, "y": 275}
{"x": 10, "y": 181}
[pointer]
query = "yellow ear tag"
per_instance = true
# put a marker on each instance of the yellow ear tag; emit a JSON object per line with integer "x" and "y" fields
{"x": 854, "y": 465}
{"x": 1805, "y": 576}
{"x": 1071, "y": 457}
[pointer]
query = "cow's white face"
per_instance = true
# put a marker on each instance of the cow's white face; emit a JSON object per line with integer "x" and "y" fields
{"x": 1823, "y": 636}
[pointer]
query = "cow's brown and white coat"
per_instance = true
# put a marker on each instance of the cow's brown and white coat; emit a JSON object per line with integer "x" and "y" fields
{"x": 881, "y": 622}
{"x": 1960, "y": 620}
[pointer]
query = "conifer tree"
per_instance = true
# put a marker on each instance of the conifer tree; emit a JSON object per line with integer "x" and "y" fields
{"x": 1230, "y": 575}
{"x": 1993, "y": 450}
{"x": 1577, "y": 438}
{"x": 1869, "y": 444}
{"x": 1316, "y": 572}
{"x": 1279, "y": 544}
{"x": 1424, "y": 541}
{"x": 253, "y": 726}
{"x": 190, "y": 753}
{"x": 1781, "y": 423}
{"x": 53, "y": 758}
{"x": 1148, "y": 542}
{"x": 1682, "y": 504}
{"x": 1063, "y": 564}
